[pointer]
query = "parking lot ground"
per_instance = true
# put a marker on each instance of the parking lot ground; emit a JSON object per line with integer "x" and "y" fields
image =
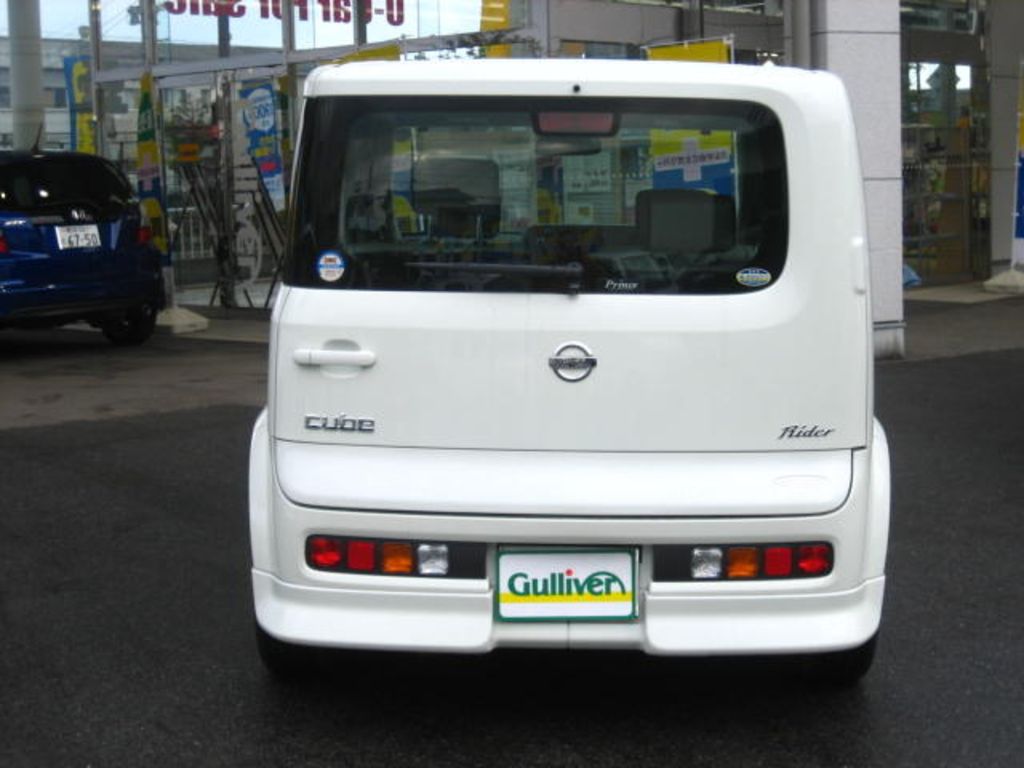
{"x": 126, "y": 623}
{"x": 51, "y": 377}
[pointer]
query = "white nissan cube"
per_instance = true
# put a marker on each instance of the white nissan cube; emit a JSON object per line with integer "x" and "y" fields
{"x": 572, "y": 354}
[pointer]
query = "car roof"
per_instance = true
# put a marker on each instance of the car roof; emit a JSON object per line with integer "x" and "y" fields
{"x": 8, "y": 156}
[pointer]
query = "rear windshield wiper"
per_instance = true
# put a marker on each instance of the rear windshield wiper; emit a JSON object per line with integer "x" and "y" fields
{"x": 573, "y": 271}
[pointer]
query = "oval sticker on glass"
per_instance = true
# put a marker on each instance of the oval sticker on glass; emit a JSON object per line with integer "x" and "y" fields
{"x": 753, "y": 277}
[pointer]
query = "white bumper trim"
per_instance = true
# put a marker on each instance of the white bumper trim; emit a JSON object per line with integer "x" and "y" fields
{"x": 463, "y": 622}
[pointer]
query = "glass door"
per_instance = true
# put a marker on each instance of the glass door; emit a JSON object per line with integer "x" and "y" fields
{"x": 191, "y": 152}
{"x": 945, "y": 170}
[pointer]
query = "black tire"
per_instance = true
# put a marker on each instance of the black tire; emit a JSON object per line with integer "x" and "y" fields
{"x": 844, "y": 669}
{"x": 131, "y": 327}
{"x": 285, "y": 661}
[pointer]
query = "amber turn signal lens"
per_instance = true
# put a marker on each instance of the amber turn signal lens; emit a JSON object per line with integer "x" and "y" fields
{"x": 741, "y": 563}
{"x": 396, "y": 557}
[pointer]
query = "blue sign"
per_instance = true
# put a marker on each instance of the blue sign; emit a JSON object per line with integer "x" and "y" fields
{"x": 259, "y": 113}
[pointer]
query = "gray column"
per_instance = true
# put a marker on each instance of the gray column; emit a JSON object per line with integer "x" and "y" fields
{"x": 797, "y": 33}
{"x": 859, "y": 40}
{"x": 149, "y": 31}
{"x": 27, "y": 105}
{"x": 1006, "y": 47}
{"x": 537, "y": 26}
{"x": 96, "y": 64}
{"x": 292, "y": 72}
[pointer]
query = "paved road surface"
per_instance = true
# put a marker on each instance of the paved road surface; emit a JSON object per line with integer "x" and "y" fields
{"x": 125, "y": 622}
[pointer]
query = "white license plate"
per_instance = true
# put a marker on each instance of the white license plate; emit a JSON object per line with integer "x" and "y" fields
{"x": 78, "y": 236}
{"x": 566, "y": 585}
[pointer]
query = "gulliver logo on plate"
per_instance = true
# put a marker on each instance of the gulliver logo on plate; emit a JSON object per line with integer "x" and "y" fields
{"x": 561, "y": 585}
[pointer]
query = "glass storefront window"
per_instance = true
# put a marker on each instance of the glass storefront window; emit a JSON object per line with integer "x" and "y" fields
{"x": 945, "y": 162}
{"x": 330, "y": 23}
{"x": 194, "y": 30}
{"x": 763, "y": 7}
{"x": 943, "y": 15}
{"x": 120, "y": 125}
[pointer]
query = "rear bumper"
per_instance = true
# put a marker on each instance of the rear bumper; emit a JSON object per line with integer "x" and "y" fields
{"x": 60, "y": 304}
{"x": 841, "y": 610}
{"x": 461, "y": 620}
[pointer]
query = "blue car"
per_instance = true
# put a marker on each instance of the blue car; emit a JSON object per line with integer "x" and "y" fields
{"x": 74, "y": 247}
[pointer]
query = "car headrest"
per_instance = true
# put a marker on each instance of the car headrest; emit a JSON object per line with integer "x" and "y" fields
{"x": 686, "y": 220}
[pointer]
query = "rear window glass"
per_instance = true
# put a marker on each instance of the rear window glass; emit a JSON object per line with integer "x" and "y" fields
{"x": 40, "y": 185}
{"x": 541, "y": 195}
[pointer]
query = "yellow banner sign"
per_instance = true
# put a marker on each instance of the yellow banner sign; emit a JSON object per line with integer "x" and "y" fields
{"x": 718, "y": 51}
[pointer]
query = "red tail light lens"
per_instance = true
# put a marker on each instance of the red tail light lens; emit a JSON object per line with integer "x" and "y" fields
{"x": 362, "y": 555}
{"x": 4, "y": 247}
{"x": 778, "y": 561}
{"x": 324, "y": 552}
{"x": 814, "y": 559}
{"x": 576, "y": 123}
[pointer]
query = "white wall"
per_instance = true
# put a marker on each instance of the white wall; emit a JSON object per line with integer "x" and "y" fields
{"x": 859, "y": 40}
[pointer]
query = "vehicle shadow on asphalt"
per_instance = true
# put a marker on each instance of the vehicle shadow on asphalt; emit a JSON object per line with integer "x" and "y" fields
{"x": 509, "y": 679}
{"x": 572, "y": 708}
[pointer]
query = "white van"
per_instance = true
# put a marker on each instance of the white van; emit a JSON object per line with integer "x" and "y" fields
{"x": 572, "y": 354}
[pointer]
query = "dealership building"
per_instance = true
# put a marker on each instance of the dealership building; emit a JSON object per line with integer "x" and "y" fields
{"x": 198, "y": 101}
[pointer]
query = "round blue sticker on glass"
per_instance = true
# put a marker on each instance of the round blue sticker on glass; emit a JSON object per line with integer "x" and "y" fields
{"x": 753, "y": 277}
{"x": 331, "y": 266}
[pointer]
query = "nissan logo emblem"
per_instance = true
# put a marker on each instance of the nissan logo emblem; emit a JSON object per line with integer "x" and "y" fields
{"x": 572, "y": 361}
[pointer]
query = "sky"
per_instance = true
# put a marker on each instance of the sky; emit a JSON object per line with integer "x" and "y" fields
{"x": 62, "y": 19}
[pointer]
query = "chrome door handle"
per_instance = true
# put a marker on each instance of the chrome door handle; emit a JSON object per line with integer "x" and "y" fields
{"x": 360, "y": 358}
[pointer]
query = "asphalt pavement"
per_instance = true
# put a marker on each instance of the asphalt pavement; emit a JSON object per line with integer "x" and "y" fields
{"x": 126, "y": 621}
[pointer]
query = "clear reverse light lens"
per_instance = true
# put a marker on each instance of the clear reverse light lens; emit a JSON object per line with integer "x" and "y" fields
{"x": 432, "y": 559}
{"x": 706, "y": 563}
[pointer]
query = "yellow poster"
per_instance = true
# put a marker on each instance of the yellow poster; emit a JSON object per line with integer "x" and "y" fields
{"x": 496, "y": 15}
{"x": 693, "y": 159}
{"x": 382, "y": 53}
{"x": 78, "y": 79}
{"x": 148, "y": 171}
{"x": 717, "y": 51}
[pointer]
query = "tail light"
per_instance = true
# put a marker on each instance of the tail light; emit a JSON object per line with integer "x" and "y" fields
{"x": 144, "y": 234}
{"x": 459, "y": 560}
{"x": 324, "y": 552}
{"x": 4, "y": 247}
{"x": 814, "y": 559}
{"x": 709, "y": 562}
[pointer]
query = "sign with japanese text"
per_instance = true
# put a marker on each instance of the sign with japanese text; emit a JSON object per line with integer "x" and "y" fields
{"x": 337, "y": 11}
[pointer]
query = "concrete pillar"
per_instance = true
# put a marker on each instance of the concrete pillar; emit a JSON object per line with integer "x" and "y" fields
{"x": 537, "y": 26}
{"x": 1006, "y": 48}
{"x": 859, "y": 40}
{"x": 797, "y": 33}
{"x": 149, "y": 32}
{"x": 27, "y": 106}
